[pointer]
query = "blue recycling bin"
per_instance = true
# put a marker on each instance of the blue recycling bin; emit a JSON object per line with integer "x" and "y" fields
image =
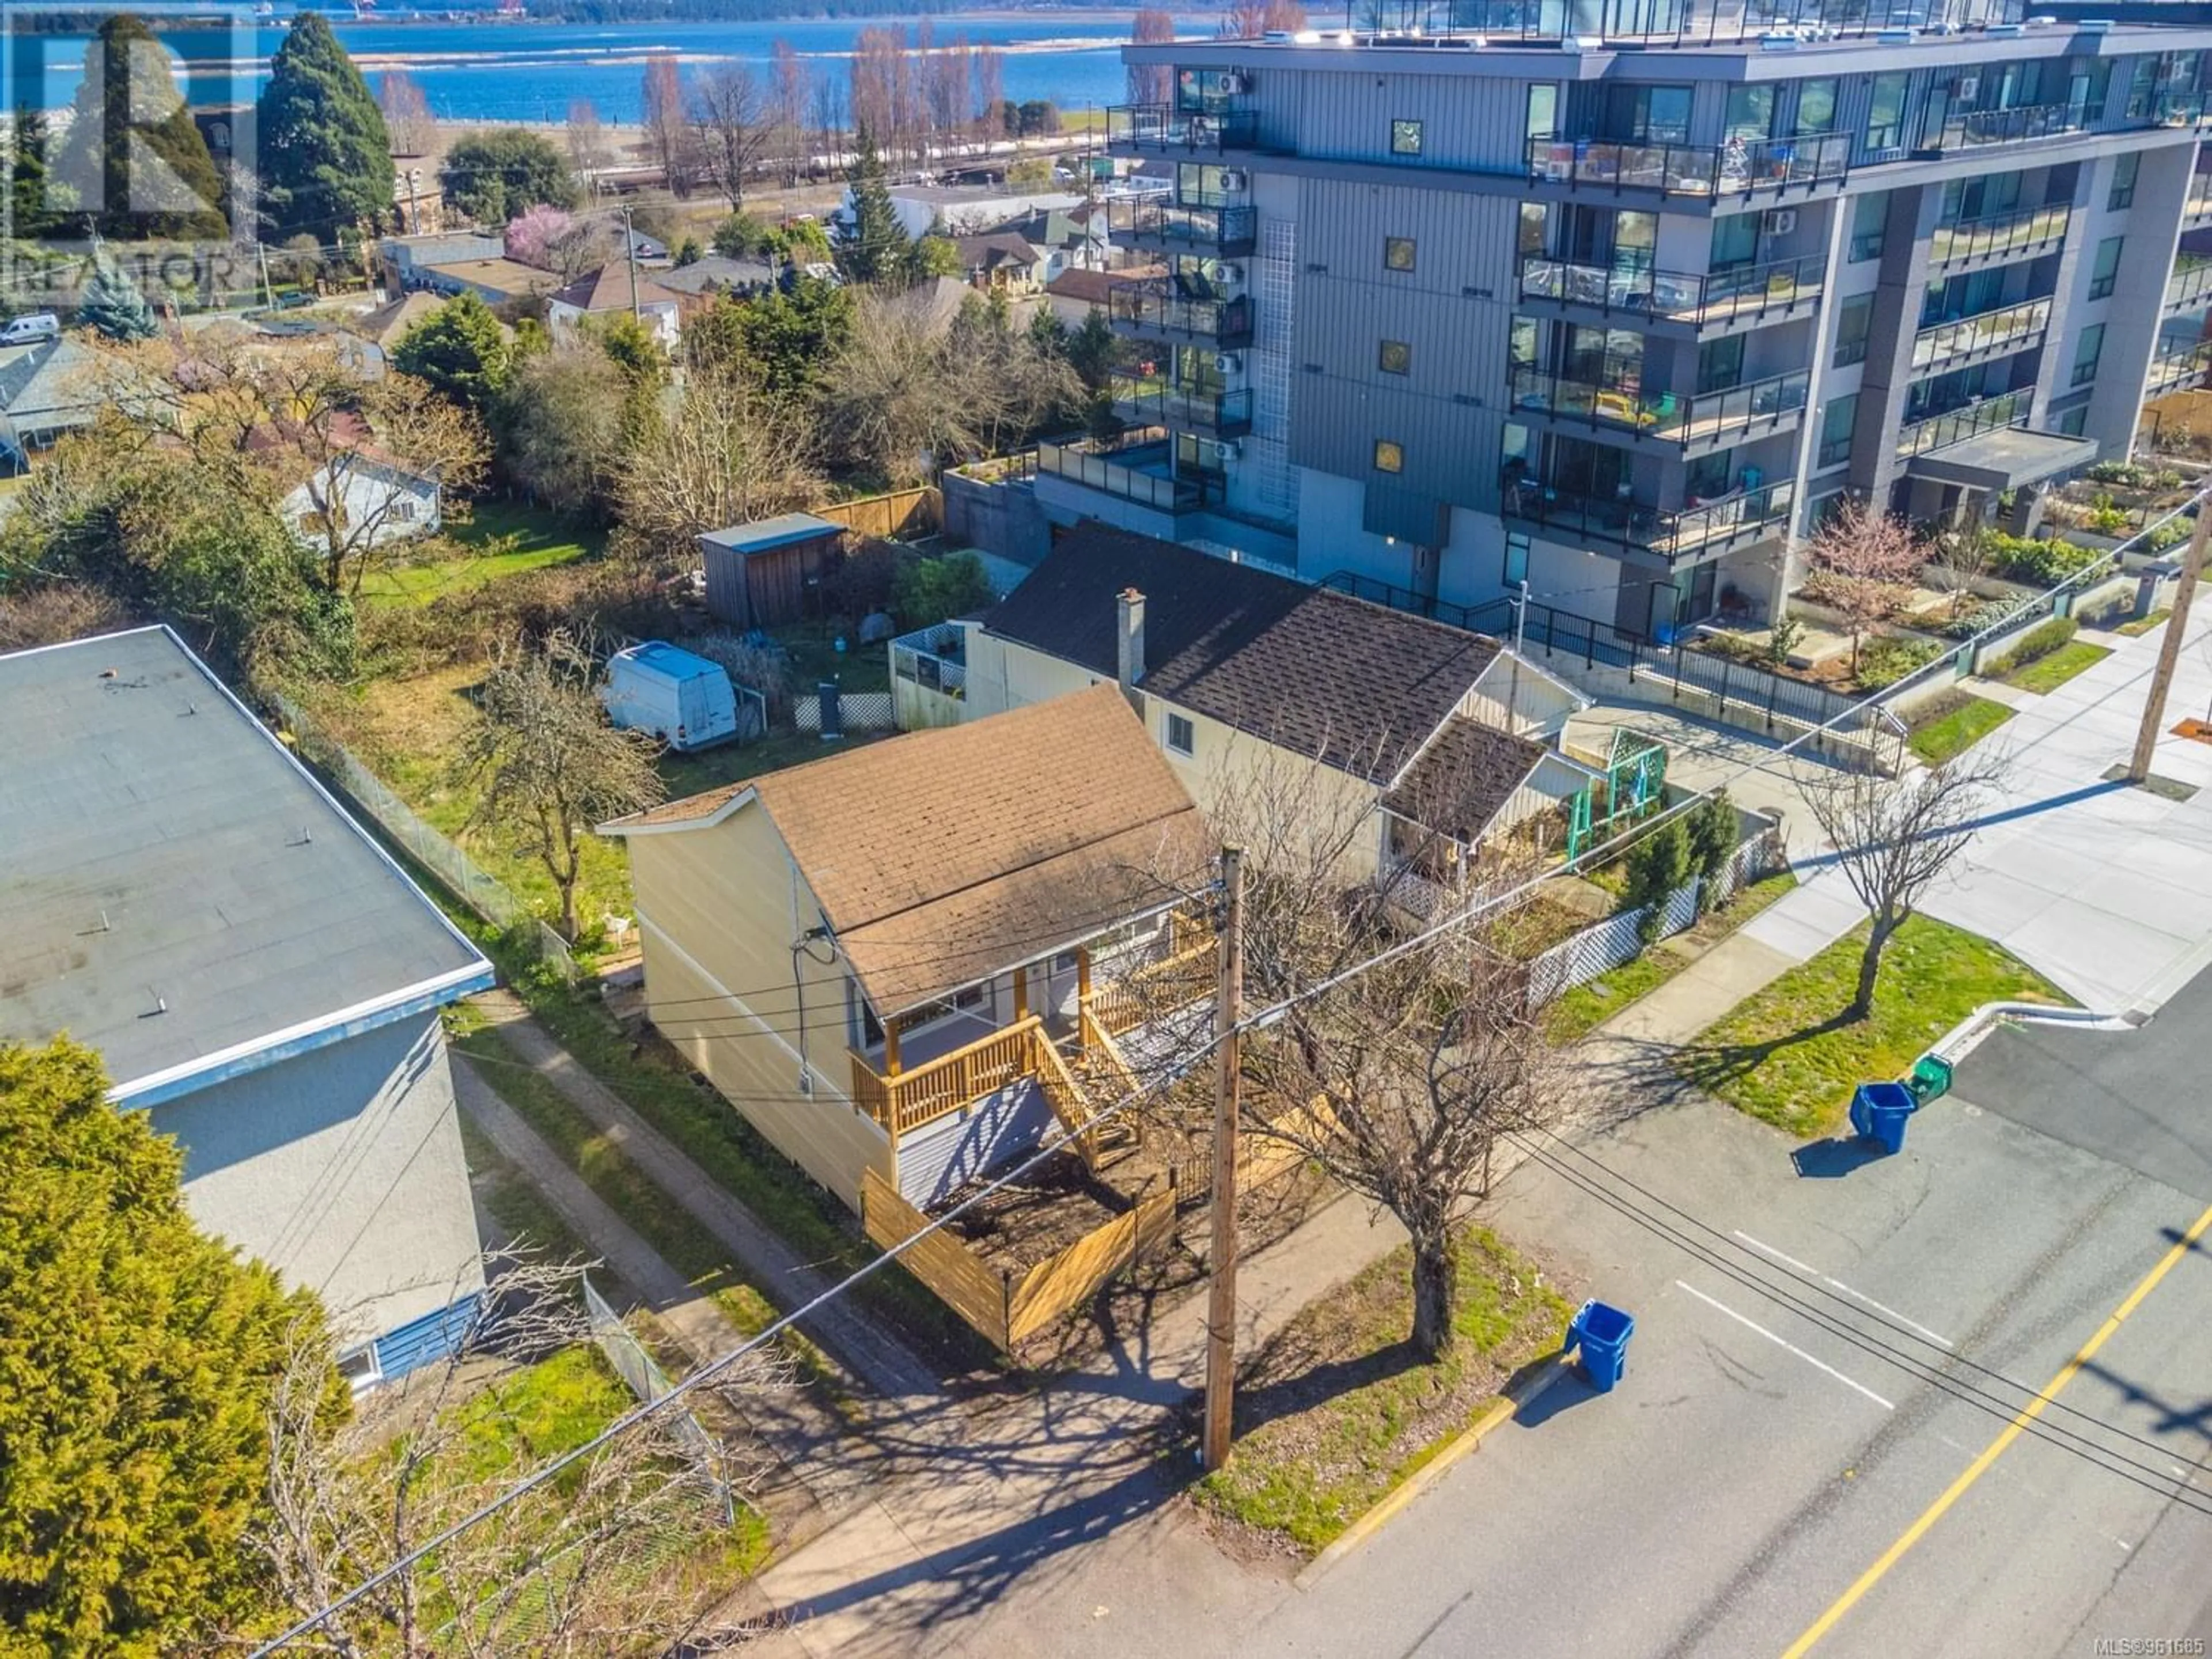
{"x": 1878, "y": 1111}
{"x": 1601, "y": 1332}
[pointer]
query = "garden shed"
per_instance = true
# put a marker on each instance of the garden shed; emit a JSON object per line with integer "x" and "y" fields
{"x": 758, "y": 574}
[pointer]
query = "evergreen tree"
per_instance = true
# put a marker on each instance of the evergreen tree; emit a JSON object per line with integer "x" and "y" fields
{"x": 459, "y": 349}
{"x": 495, "y": 177}
{"x": 133, "y": 157}
{"x": 326, "y": 157}
{"x": 791, "y": 337}
{"x": 139, "y": 1354}
{"x": 111, "y": 303}
{"x": 1093, "y": 351}
{"x": 31, "y": 210}
{"x": 878, "y": 249}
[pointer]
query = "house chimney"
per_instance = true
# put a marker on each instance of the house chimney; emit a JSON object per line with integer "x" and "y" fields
{"x": 1129, "y": 645}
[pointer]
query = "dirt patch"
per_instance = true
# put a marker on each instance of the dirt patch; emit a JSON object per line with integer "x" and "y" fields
{"x": 1056, "y": 1205}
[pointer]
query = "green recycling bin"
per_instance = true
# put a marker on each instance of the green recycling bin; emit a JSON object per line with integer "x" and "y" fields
{"x": 1931, "y": 1079}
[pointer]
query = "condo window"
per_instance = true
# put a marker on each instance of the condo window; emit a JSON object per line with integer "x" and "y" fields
{"x": 1396, "y": 357}
{"x": 1405, "y": 138}
{"x": 1517, "y": 559}
{"x": 1853, "y": 319}
{"x": 1181, "y": 739}
{"x": 1886, "y": 113}
{"x": 1543, "y": 110}
{"x": 1397, "y": 252}
{"x": 1751, "y": 111}
{"x": 1816, "y": 105}
{"x": 2105, "y": 274}
{"x": 1868, "y": 215}
{"x": 1836, "y": 429}
{"x": 1389, "y": 456}
{"x": 2123, "y": 180}
{"x": 2072, "y": 422}
{"x": 2090, "y": 347}
{"x": 1536, "y": 225}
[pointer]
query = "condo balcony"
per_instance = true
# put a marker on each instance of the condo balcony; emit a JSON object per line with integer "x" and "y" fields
{"x": 1956, "y": 426}
{"x": 1991, "y": 334}
{"x": 1139, "y": 467}
{"x": 1740, "y": 519}
{"x": 1161, "y": 129}
{"x": 1773, "y": 405}
{"x": 1711, "y": 171}
{"x": 1774, "y": 289}
{"x": 1158, "y": 313}
{"x": 2190, "y": 284}
{"x": 1979, "y": 129}
{"x": 2179, "y": 368}
{"x": 1996, "y": 238}
{"x": 1174, "y": 228}
{"x": 2196, "y": 206}
{"x": 2184, "y": 109}
{"x": 1144, "y": 400}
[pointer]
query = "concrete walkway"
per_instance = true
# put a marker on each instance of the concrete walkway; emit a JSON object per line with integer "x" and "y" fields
{"x": 848, "y": 1333}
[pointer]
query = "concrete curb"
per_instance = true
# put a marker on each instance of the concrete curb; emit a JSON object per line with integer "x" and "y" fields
{"x": 1469, "y": 1440}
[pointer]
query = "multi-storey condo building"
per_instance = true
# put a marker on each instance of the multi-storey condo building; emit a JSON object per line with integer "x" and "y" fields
{"x": 1612, "y": 297}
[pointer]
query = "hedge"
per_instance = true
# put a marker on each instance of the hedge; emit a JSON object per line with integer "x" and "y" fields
{"x": 2039, "y": 641}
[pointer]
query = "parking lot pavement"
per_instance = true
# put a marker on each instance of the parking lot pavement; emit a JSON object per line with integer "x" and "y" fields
{"x": 1801, "y": 1390}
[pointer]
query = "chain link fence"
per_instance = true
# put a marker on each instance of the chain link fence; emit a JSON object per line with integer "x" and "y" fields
{"x": 649, "y": 1382}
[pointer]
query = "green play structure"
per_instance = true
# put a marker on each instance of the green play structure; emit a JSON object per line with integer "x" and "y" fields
{"x": 1635, "y": 781}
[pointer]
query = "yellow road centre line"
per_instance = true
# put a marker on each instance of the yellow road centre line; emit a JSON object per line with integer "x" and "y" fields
{"x": 2011, "y": 1432}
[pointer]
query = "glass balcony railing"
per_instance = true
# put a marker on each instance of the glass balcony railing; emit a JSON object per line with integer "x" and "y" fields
{"x": 2198, "y": 205}
{"x": 2016, "y": 328}
{"x": 1736, "y": 169}
{"x": 1956, "y": 426}
{"x": 1675, "y": 297}
{"x": 1120, "y": 471}
{"x": 2183, "y": 109}
{"x": 1748, "y": 515}
{"x": 1154, "y": 402}
{"x": 1164, "y": 127}
{"x": 1223, "y": 232}
{"x": 2025, "y": 231}
{"x": 2011, "y": 126}
{"x": 1219, "y": 322}
{"x": 2189, "y": 286}
{"x": 1663, "y": 416}
{"x": 2172, "y": 369}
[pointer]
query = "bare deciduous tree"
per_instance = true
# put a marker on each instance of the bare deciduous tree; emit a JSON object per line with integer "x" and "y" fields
{"x": 1863, "y": 565}
{"x": 589, "y": 152}
{"x": 1966, "y": 555}
{"x": 666, "y": 132}
{"x": 728, "y": 455}
{"x": 1152, "y": 83}
{"x": 789, "y": 95}
{"x": 1893, "y": 840}
{"x": 548, "y": 762}
{"x": 591, "y": 1563}
{"x": 990, "y": 77}
{"x": 734, "y": 125}
{"x": 406, "y": 112}
{"x": 1249, "y": 19}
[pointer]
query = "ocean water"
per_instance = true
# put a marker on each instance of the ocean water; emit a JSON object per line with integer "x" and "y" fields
{"x": 524, "y": 71}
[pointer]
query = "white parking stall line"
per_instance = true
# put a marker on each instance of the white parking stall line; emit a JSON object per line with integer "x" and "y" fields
{"x": 1817, "y": 1364}
{"x": 1857, "y": 1296}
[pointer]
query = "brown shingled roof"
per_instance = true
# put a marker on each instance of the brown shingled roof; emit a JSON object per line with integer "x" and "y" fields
{"x": 1310, "y": 669}
{"x": 608, "y": 289}
{"x": 942, "y": 857}
{"x": 1463, "y": 777}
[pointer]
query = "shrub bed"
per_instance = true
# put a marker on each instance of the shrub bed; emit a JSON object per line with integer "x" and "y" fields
{"x": 2039, "y": 641}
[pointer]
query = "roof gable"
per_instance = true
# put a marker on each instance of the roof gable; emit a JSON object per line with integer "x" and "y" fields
{"x": 1309, "y": 669}
{"x": 608, "y": 289}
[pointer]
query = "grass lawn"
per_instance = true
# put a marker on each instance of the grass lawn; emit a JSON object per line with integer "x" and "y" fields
{"x": 502, "y": 539}
{"x": 1336, "y": 1410}
{"x": 1780, "y": 1056}
{"x": 1953, "y": 723}
{"x": 1587, "y": 1006}
{"x": 2049, "y": 673}
{"x": 522, "y": 1419}
{"x": 2142, "y": 625}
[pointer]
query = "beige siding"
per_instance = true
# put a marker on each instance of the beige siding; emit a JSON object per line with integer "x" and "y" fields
{"x": 1529, "y": 703}
{"x": 719, "y": 910}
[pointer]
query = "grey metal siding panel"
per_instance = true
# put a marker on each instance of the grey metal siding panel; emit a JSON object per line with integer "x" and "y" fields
{"x": 936, "y": 1159}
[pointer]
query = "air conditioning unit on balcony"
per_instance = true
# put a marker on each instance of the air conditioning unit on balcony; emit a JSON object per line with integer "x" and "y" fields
{"x": 1228, "y": 362}
{"x": 1234, "y": 180}
{"x": 1233, "y": 85}
{"x": 1227, "y": 450}
{"x": 1228, "y": 273}
{"x": 1967, "y": 88}
{"x": 1778, "y": 221}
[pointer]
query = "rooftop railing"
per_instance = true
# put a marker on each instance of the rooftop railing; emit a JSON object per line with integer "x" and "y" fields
{"x": 1220, "y": 231}
{"x": 2015, "y": 328}
{"x": 1164, "y": 127}
{"x": 1956, "y": 426}
{"x": 2021, "y": 231}
{"x": 1429, "y": 25}
{"x": 1080, "y": 462}
{"x": 1675, "y": 297}
{"x": 1663, "y": 416}
{"x": 1737, "y": 167}
{"x": 1751, "y": 514}
{"x": 1220, "y": 322}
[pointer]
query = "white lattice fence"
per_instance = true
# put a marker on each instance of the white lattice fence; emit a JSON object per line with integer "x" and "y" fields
{"x": 859, "y": 711}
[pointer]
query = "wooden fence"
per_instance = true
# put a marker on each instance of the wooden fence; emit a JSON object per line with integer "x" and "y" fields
{"x": 1004, "y": 1309}
{"x": 900, "y": 516}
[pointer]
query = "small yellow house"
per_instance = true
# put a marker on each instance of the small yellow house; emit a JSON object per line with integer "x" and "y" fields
{"x": 910, "y": 957}
{"x": 1443, "y": 738}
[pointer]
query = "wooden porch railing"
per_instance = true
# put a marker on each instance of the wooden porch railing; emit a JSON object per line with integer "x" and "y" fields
{"x": 1066, "y": 1097}
{"x": 1104, "y": 1054}
{"x": 951, "y": 1081}
{"x": 1156, "y": 988}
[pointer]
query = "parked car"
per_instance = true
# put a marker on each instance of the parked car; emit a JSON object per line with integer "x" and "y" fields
{"x": 686, "y": 700}
{"x": 28, "y": 330}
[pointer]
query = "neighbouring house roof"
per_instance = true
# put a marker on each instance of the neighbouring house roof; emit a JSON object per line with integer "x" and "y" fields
{"x": 1354, "y": 684}
{"x": 180, "y": 893}
{"x": 507, "y": 277}
{"x": 989, "y": 252}
{"x": 49, "y": 383}
{"x": 385, "y": 326}
{"x": 943, "y": 857}
{"x": 937, "y": 302}
{"x": 1095, "y": 287}
{"x": 1460, "y": 781}
{"x": 713, "y": 272}
{"x": 608, "y": 289}
{"x": 763, "y": 535}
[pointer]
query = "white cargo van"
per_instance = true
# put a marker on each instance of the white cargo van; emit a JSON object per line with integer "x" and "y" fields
{"x": 28, "y": 331}
{"x": 684, "y": 701}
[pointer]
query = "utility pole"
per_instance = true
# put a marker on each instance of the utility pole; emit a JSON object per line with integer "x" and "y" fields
{"x": 1221, "y": 1283}
{"x": 268, "y": 293}
{"x": 2169, "y": 648}
{"x": 629, "y": 251}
